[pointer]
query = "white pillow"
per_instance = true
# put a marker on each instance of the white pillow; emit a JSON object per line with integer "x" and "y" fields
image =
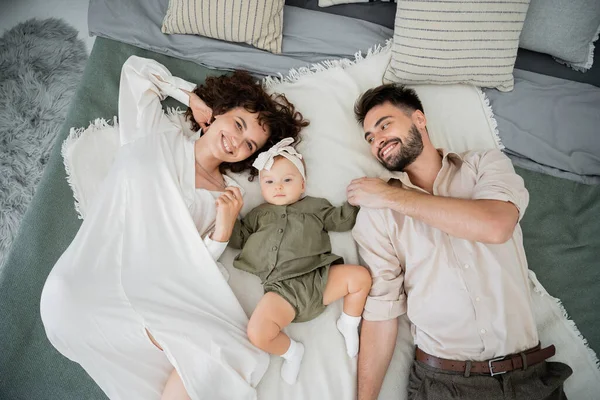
{"x": 333, "y": 144}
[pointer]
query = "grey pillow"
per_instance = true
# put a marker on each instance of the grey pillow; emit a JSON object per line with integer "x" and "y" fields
{"x": 565, "y": 29}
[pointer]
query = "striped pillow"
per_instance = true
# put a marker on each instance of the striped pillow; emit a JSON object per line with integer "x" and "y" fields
{"x": 456, "y": 41}
{"x": 256, "y": 22}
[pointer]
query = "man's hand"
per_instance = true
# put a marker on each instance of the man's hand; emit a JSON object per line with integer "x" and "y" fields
{"x": 201, "y": 112}
{"x": 372, "y": 193}
{"x": 229, "y": 205}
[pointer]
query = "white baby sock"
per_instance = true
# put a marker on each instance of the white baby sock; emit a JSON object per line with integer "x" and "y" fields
{"x": 291, "y": 362}
{"x": 348, "y": 326}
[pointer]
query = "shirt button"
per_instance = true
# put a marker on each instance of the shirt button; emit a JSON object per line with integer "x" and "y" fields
{"x": 282, "y": 215}
{"x": 280, "y": 230}
{"x": 466, "y": 266}
{"x": 477, "y": 299}
{"x": 483, "y": 331}
{"x": 274, "y": 248}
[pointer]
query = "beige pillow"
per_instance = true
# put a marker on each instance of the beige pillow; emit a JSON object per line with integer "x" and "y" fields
{"x": 446, "y": 42}
{"x": 256, "y": 22}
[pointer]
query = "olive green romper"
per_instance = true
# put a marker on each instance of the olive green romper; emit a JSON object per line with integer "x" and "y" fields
{"x": 288, "y": 248}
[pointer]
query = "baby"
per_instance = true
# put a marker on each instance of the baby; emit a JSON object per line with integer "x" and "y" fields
{"x": 285, "y": 243}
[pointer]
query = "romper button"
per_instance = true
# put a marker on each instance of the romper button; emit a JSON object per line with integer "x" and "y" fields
{"x": 280, "y": 230}
{"x": 282, "y": 215}
{"x": 274, "y": 248}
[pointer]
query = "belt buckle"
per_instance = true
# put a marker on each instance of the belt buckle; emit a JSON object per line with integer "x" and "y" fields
{"x": 492, "y": 373}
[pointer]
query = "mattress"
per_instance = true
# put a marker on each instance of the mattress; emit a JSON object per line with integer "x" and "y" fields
{"x": 561, "y": 246}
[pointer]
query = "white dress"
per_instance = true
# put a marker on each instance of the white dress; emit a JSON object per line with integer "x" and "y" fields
{"x": 138, "y": 261}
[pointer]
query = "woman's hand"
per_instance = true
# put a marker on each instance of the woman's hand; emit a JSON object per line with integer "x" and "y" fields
{"x": 229, "y": 205}
{"x": 201, "y": 112}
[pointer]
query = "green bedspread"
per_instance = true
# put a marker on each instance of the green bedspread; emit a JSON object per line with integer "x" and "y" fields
{"x": 562, "y": 240}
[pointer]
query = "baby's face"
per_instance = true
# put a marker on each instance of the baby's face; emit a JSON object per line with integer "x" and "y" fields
{"x": 283, "y": 184}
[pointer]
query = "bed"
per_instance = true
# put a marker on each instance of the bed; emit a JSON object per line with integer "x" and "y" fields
{"x": 561, "y": 230}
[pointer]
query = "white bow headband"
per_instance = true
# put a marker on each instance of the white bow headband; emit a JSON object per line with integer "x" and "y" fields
{"x": 266, "y": 159}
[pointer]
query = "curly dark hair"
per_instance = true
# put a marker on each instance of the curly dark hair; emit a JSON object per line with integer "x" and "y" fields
{"x": 225, "y": 92}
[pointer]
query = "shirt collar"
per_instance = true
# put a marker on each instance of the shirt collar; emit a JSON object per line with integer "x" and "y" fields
{"x": 448, "y": 157}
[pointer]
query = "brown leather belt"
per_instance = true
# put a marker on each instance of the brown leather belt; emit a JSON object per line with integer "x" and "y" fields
{"x": 491, "y": 367}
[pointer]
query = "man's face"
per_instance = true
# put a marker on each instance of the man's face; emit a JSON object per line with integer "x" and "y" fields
{"x": 394, "y": 138}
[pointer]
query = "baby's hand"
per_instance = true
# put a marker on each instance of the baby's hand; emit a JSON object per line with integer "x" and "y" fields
{"x": 229, "y": 205}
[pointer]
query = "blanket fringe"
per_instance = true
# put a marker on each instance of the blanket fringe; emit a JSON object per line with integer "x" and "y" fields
{"x": 585, "y": 66}
{"x": 173, "y": 111}
{"x": 74, "y": 135}
{"x": 296, "y": 73}
{"x": 538, "y": 288}
{"x": 489, "y": 113}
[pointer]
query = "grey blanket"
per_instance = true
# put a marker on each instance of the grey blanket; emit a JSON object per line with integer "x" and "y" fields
{"x": 308, "y": 37}
{"x": 551, "y": 125}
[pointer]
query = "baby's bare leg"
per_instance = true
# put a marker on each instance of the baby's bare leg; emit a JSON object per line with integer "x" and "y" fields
{"x": 174, "y": 389}
{"x": 353, "y": 283}
{"x": 272, "y": 314}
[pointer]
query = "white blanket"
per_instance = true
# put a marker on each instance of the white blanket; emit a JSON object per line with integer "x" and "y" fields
{"x": 459, "y": 118}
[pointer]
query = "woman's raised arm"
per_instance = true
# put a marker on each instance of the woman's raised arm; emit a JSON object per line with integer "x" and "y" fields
{"x": 144, "y": 83}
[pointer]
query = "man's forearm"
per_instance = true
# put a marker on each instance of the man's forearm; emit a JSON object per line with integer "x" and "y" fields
{"x": 487, "y": 221}
{"x": 377, "y": 344}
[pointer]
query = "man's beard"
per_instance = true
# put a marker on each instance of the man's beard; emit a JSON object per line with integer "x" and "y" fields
{"x": 409, "y": 151}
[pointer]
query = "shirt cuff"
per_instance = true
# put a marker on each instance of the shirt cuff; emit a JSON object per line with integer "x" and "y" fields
{"x": 215, "y": 248}
{"x": 383, "y": 310}
{"x": 176, "y": 84}
{"x": 502, "y": 197}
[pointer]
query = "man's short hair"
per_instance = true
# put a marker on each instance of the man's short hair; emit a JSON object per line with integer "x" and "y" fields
{"x": 398, "y": 95}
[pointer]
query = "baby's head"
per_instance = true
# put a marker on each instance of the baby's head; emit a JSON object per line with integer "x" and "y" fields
{"x": 281, "y": 173}
{"x": 283, "y": 184}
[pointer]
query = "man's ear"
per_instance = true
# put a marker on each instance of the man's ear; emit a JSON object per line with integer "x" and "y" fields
{"x": 418, "y": 118}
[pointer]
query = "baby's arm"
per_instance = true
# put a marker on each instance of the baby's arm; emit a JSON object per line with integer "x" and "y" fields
{"x": 338, "y": 219}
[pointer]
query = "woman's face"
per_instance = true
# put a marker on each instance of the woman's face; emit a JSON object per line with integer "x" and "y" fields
{"x": 235, "y": 135}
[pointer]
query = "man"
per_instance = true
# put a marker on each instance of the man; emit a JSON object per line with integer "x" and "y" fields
{"x": 442, "y": 240}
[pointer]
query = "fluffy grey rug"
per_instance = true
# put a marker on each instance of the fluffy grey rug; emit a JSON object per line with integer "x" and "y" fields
{"x": 41, "y": 62}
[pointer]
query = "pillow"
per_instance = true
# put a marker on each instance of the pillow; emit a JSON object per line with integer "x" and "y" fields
{"x": 457, "y": 118}
{"x": 256, "y": 22}
{"x": 456, "y": 42}
{"x": 565, "y": 29}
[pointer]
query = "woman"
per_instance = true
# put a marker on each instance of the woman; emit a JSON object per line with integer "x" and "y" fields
{"x": 137, "y": 271}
